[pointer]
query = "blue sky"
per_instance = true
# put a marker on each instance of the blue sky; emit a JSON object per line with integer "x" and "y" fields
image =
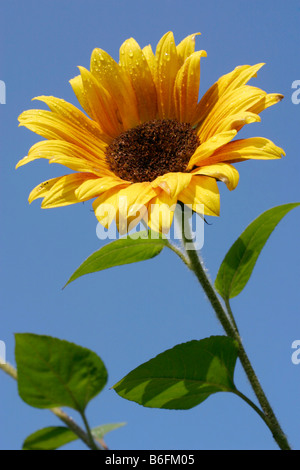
{"x": 130, "y": 314}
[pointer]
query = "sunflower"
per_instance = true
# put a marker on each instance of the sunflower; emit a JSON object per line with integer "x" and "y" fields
{"x": 145, "y": 138}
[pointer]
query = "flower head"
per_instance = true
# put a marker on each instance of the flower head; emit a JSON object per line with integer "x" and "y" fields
{"x": 148, "y": 140}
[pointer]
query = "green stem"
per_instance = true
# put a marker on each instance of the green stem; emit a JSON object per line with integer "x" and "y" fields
{"x": 273, "y": 425}
{"x": 229, "y": 311}
{"x": 9, "y": 370}
{"x": 59, "y": 413}
{"x": 92, "y": 443}
{"x": 250, "y": 403}
{"x": 180, "y": 254}
{"x": 227, "y": 321}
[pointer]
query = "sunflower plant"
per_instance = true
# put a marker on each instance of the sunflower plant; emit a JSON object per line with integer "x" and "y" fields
{"x": 145, "y": 148}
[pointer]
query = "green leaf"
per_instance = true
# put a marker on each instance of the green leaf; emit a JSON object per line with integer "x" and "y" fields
{"x": 184, "y": 376}
{"x": 239, "y": 262}
{"x": 50, "y": 438}
{"x": 139, "y": 246}
{"x": 54, "y": 372}
{"x": 54, "y": 437}
{"x": 100, "y": 431}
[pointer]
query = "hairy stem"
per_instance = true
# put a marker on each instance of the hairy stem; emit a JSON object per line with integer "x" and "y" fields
{"x": 250, "y": 403}
{"x": 227, "y": 321}
{"x": 92, "y": 444}
{"x": 229, "y": 311}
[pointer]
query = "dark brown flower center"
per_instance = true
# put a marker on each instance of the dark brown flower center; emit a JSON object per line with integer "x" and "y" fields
{"x": 152, "y": 149}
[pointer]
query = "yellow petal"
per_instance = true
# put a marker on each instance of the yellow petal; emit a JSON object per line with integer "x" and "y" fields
{"x": 59, "y": 191}
{"x": 238, "y": 77}
{"x": 186, "y": 89}
{"x": 235, "y": 79}
{"x": 266, "y": 102}
{"x": 221, "y": 171}
{"x": 151, "y": 59}
{"x": 186, "y": 47}
{"x": 237, "y": 121}
{"x": 63, "y": 192}
{"x": 257, "y": 148}
{"x": 167, "y": 68}
{"x": 70, "y": 155}
{"x": 122, "y": 205}
{"x": 78, "y": 164}
{"x": 116, "y": 81}
{"x": 172, "y": 183}
{"x": 25, "y": 160}
{"x": 202, "y": 190}
{"x": 101, "y": 104}
{"x": 53, "y": 126}
{"x": 134, "y": 61}
{"x": 205, "y": 150}
{"x": 237, "y": 101}
{"x": 73, "y": 115}
{"x": 160, "y": 212}
{"x": 94, "y": 187}
{"x": 42, "y": 189}
{"x": 105, "y": 206}
{"x": 77, "y": 85}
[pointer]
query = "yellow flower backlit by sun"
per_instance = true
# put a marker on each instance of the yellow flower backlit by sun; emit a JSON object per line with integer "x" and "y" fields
{"x": 147, "y": 138}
